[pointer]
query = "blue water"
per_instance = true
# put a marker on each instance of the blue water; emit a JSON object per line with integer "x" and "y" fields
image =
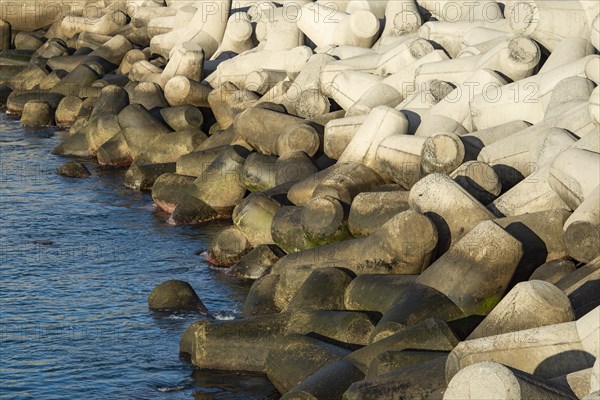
{"x": 78, "y": 259}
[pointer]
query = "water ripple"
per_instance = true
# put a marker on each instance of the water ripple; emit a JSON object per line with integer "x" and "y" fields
{"x": 78, "y": 259}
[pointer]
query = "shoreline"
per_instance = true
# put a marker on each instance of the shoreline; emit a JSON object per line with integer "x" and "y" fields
{"x": 93, "y": 250}
{"x": 412, "y": 214}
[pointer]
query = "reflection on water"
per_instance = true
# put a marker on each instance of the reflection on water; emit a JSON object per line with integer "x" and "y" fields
{"x": 212, "y": 385}
{"x": 78, "y": 259}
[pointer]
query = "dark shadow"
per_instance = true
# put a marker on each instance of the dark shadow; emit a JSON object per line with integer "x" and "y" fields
{"x": 82, "y": 51}
{"x": 444, "y": 236}
{"x": 425, "y": 13}
{"x": 334, "y": 106}
{"x": 418, "y": 303}
{"x": 104, "y": 64}
{"x": 463, "y": 327}
{"x": 535, "y": 251}
{"x": 564, "y": 363}
{"x": 585, "y": 298}
{"x": 279, "y": 193}
{"x": 473, "y": 146}
{"x": 437, "y": 46}
{"x": 209, "y": 119}
{"x": 508, "y": 176}
{"x": 414, "y": 119}
{"x": 325, "y": 339}
{"x": 324, "y": 162}
{"x": 229, "y": 385}
{"x": 503, "y": 76}
{"x": 475, "y": 189}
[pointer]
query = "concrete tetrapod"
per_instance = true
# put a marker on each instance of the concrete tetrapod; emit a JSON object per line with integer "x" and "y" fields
{"x": 423, "y": 380}
{"x": 403, "y": 245}
{"x": 381, "y": 123}
{"x": 148, "y": 94}
{"x": 293, "y": 166}
{"x": 257, "y": 263}
{"x": 67, "y": 110}
{"x": 236, "y": 70}
{"x": 491, "y": 380}
{"x": 238, "y": 36}
{"x": 276, "y": 27}
{"x": 228, "y": 247}
{"x": 541, "y": 236}
{"x": 512, "y": 163}
{"x": 216, "y": 192}
{"x": 517, "y": 100}
{"x": 453, "y": 210}
{"x": 259, "y": 172}
{"x": 553, "y": 271}
{"x": 263, "y": 298}
{"x": 582, "y": 229}
{"x": 37, "y": 113}
{"x": 415, "y": 303}
{"x": 226, "y": 101}
{"x": 275, "y": 133}
{"x": 182, "y": 118}
{"x": 384, "y": 62}
{"x": 175, "y": 295}
{"x": 142, "y": 176}
{"x": 343, "y": 181}
{"x": 442, "y": 153}
{"x": 399, "y": 157}
{"x": 114, "y": 152}
{"x": 139, "y": 128}
{"x": 339, "y": 133}
{"x": 431, "y": 334}
{"x": 537, "y": 19}
{"x": 515, "y": 57}
{"x": 244, "y": 344}
{"x": 375, "y": 292}
{"x": 166, "y": 23}
{"x": 180, "y": 90}
{"x": 359, "y": 29}
{"x": 582, "y": 287}
{"x": 402, "y": 18}
{"x": 489, "y": 256}
{"x": 298, "y": 357}
{"x": 325, "y": 220}
{"x": 286, "y": 229}
{"x": 254, "y": 216}
{"x": 546, "y": 352}
{"x": 5, "y": 35}
{"x": 206, "y": 29}
{"x": 169, "y": 189}
{"x": 479, "y": 179}
{"x": 196, "y": 162}
{"x": 322, "y": 290}
{"x": 395, "y": 360}
{"x": 370, "y": 210}
{"x": 263, "y": 80}
{"x": 567, "y": 179}
{"x": 578, "y": 382}
{"x": 528, "y": 305}
{"x": 305, "y": 97}
{"x": 107, "y": 24}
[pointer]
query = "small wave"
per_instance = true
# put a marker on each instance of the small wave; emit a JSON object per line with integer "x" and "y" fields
{"x": 168, "y": 389}
{"x": 225, "y": 315}
{"x": 149, "y": 206}
{"x": 176, "y": 316}
{"x": 217, "y": 267}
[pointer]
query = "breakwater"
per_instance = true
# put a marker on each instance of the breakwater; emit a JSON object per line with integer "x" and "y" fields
{"x": 412, "y": 185}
